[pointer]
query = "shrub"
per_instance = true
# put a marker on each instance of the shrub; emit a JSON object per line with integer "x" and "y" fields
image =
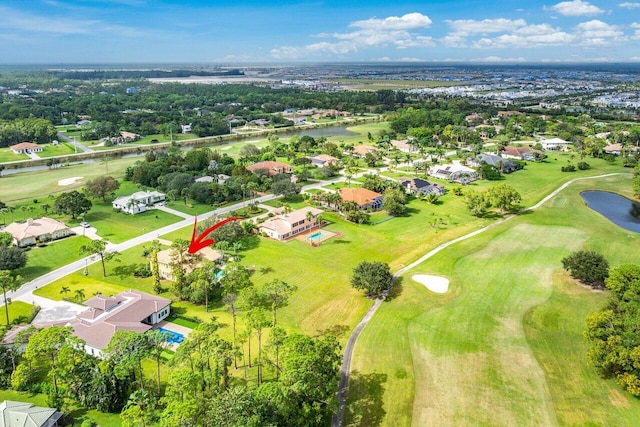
{"x": 589, "y": 267}
{"x": 568, "y": 168}
{"x": 583, "y": 166}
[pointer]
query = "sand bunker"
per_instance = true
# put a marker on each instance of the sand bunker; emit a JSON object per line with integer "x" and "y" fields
{"x": 436, "y": 284}
{"x": 226, "y": 148}
{"x": 69, "y": 181}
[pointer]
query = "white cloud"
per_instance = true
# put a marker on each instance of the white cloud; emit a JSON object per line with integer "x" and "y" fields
{"x": 636, "y": 33}
{"x": 576, "y": 8}
{"x": 410, "y": 21}
{"x": 531, "y": 36}
{"x": 597, "y": 33}
{"x": 629, "y": 5}
{"x": 470, "y": 26}
{"x": 399, "y": 32}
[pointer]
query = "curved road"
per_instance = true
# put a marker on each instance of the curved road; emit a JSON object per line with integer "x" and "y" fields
{"x": 345, "y": 368}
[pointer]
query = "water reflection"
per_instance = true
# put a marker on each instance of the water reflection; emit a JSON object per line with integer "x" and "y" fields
{"x": 617, "y": 209}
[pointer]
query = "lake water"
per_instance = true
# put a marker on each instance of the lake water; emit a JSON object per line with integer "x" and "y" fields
{"x": 621, "y": 211}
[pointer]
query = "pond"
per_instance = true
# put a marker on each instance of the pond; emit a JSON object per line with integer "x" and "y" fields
{"x": 621, "y": 211}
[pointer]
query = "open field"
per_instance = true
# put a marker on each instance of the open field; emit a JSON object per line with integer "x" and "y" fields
{"x": 504, "y": 345}
{"x": 381, "y": 84}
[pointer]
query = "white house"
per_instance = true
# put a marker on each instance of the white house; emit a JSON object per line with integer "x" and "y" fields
{"x": 555, "y": 144}
{"x": 138, "y": 202}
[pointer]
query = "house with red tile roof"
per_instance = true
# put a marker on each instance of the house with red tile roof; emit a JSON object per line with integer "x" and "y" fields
{"x": 272, "y": 167}
{"x": 26, "y": 148}
{"x": 363, "y": 198}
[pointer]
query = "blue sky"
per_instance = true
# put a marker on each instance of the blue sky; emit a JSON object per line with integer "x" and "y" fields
{"x": 281, "y": 31}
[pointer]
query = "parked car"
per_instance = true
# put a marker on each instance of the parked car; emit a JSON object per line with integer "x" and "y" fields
{"x": 85, "y": 224}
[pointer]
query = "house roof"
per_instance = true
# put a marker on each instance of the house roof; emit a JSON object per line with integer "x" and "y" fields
{"x": 324, "y": 158}
{"x": 401, "y": 144}
{"x": 129, "y": 135}
{"x": 22, "y": 414}
{"x": 25, "y": 146}
{"x": 34, "y": 227}
{"x": 516, "y": 151}
{"x": 283, "y": 224}
{"x": 208, "y": 253}
{"x": 96, "y": 326}
{"x": 417, "y": 183}
{"x": 138, "y": 195}
{"x": 269, "y": 165}
{"x": 361, "y": 196}
{"x": 554, "y": 141}
{"x": 362, "y": 150}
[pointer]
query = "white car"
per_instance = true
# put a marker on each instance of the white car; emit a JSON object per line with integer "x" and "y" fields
{"x": 85, "y": 224}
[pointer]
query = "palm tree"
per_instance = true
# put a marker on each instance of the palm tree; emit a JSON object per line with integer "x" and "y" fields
{"x": 79, "y": 295}
{"x": 45, "y": 208}
{"x": 11, "y": 209}
{"x": 64, "y": 291}
{"x": 31, "y": 210}
{"x": 24, "y": 210}
{"x": 8, "y": 283}
{"x": 4, "y": 211}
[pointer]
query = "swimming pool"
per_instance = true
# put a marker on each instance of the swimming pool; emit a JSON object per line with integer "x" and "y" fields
{"x": 316, "y": 236}
{"x": 171, "y": 337}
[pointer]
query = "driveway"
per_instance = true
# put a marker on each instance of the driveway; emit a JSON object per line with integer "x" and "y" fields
{"x": 50, "y": 310}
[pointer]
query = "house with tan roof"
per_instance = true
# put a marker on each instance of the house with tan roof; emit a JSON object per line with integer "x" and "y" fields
{"x": 26, "y": 148}
{"x": 403, "y": 145}
{"x": 32, "y": 231}
{"x": 271, "y": 167}
{"x": 288, "y": 225}
{"x": 24, "y": 414}
{"x": 165, "y": 261}
{"x": 131, "y": 310}
{"x": 362, "y": 150}
{"x": 323, "y": 160}
{"x": 363, "y": 198}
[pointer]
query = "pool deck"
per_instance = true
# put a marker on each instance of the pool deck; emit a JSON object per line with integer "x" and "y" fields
{"x": 325, "y": 236}
{"x": 173, "y": 328}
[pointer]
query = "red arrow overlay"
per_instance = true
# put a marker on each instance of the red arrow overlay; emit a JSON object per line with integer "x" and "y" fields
{"x": 200, "y": 242}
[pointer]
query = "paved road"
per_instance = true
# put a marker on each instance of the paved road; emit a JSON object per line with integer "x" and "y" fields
{"x": 345, "y": 368}
{"x": 77, "y": 144}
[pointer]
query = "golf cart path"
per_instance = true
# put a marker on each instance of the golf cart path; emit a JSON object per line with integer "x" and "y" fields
{"x": 345, "y": 368}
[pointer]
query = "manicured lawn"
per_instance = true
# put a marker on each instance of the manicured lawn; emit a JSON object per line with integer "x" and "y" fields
{"x": 62, "y": 149}
{"x": 6, "y": 155}
{"x": 41, "y": 260}
{"x": 504, "y": 346}
{"x": 38, "y": 184}
{"x": 19, "y": 312}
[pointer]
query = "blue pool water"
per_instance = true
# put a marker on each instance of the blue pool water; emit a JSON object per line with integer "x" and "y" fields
{"x": 316, "y": 236}
{"x": 172, "y": 337}
{"x": 218, "y": 274}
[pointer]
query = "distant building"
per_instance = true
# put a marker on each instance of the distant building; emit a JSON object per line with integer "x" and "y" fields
{"x": 322, "y": 160}
{"x": 419, "y": 186}
{"x": 131, "y": 90}
{"x": 26, "y": 148}
{"x": 138, "y": 202}
{"x": 454, "y": 172}
{"x": 362, "y": 150}
{"x": 272, "y": 168}
{"x": 403, "y": 145}
{"x": 185, "y": 128}
{"x": 33, "y": 231}
{"x": 555, "y": 144}
{"x": 519, "y": 153}
{"x": 23, "y": 414}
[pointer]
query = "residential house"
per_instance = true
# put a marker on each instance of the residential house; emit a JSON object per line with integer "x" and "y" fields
{"x": 23, "y": 414}
{"x": 130, "y": 310}
{"x": 555, "y": 144}
{"x": 138, "y": 202}
{"x": 403, "y": 145}
{"x": 501, "y": 164}
{"x": 454, "y": 172}
{"x": 288, "y": 225}
{"x": 362, "y": 150}
{"x": 33, "y": 231}
{"x": 323, "y": 160}
{"x": 272, "y": 167}
{"x": 26, "y": 148}
{"x": 218, "y": 179}
{"x": 185, "y": 128}
{"x": 363, "y": 198}
{"x": 419, "y": 186}
{"x": 614, "y": 149}
{"x": 518, "y": 153}
{"x": 122, "y": 138}
{"x": 165, "y": 261}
